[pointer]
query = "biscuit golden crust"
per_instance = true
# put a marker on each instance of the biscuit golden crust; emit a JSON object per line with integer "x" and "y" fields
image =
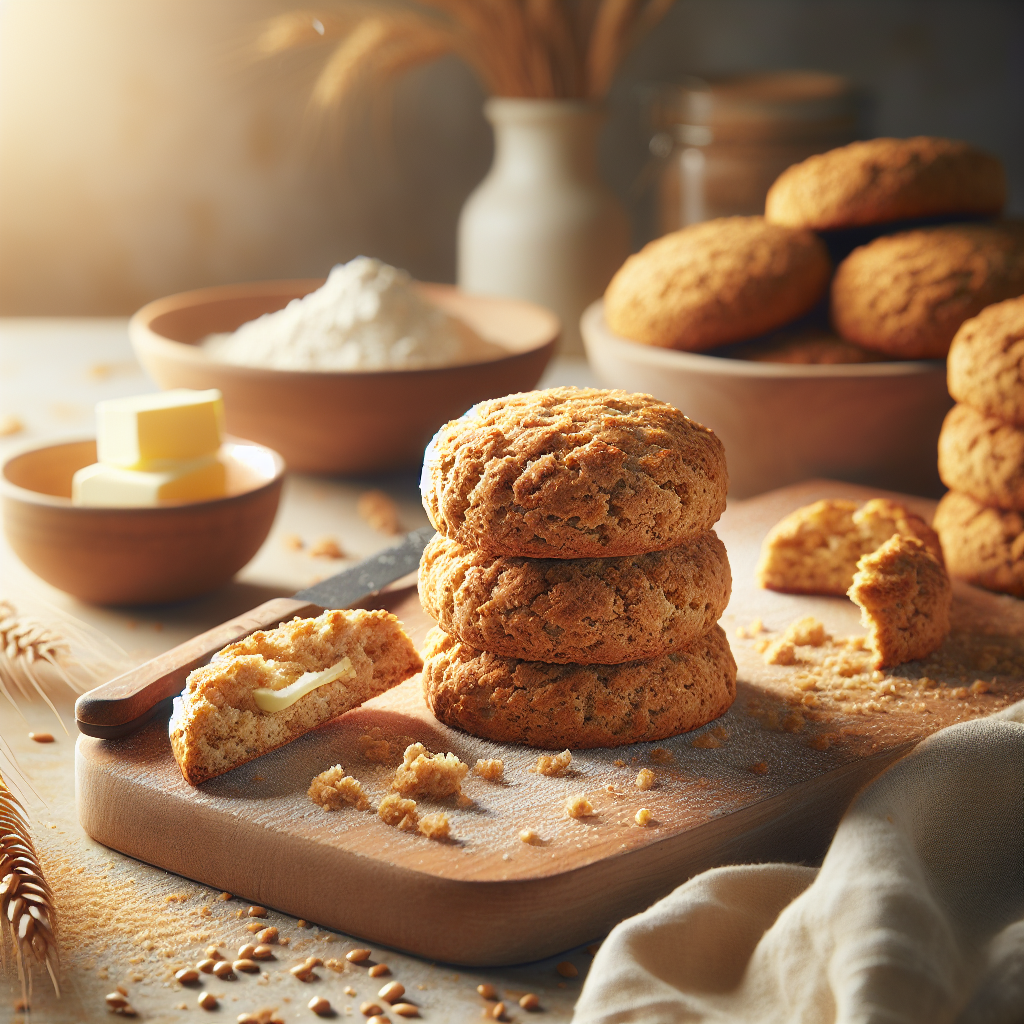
{"x": 983, "y": 545}
{"x": 578, "y": 706}
{"x": 907, "y": 294}
{"x": 986, "y": 361}
{"x": 589, "y": 611}
{"x": 815, "y": 549}
{"x": 720, "y": 281}
{"x": 904, "y": 596}
{"x": 883, "y": 180}
{"x": 982, "y": 456}
{"x": 216, "y": 724}
{"x": 573, "y": 473}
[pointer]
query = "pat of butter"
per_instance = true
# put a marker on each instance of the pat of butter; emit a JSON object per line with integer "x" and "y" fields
{"x": 153, "y": 432}
{"x": 100, "y": 485}
{"x": 277, "y": 700}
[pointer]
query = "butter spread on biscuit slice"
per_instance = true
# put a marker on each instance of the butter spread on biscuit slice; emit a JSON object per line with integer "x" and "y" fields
{"x": 269, "y": 700}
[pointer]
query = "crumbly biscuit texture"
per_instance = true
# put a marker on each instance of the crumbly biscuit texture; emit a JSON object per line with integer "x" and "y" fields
{"x": 982, "y": 456}
{"x": 815, "y": 549}
{"x": 595, "y": 610}
{"x": 883, "y": 180}
{"x": 904, "y": 596}
{"x": 429, "y": 776}
{"x": 983, "y": 545}
{"x": 333, "y": 789}
{"x": 577, "y": 706}
{"x": 573, "y": 473}
{"x": 715, "y": 282}
{"x": 216, "y": 725}
{"x": 907, "y": 294}
{"x": 986, "y": 361}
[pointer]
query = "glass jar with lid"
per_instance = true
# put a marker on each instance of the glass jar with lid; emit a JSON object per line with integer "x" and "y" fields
{"x": 721, "y": 143}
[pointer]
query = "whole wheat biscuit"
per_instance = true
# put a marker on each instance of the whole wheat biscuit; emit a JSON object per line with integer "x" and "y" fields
{"x": 575, "y": 706}
{"x": 907, "y": 294}
{"x": 983, "y": 457}
{"x": 815, "y": 549}
{"x": 573, "y": 473}
{"x": 904, "y": 596}
{"x": 719, "y": 281}
{"x": 982, "y": 545}
{"x": 986, "y": 361}
{"x": 584, "y": 610}
{"x": 883, "y": 180}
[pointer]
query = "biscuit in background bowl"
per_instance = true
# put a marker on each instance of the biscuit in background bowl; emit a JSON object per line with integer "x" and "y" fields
{"x": 873, "y": 423}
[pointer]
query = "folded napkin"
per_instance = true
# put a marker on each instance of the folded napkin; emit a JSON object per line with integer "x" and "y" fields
{"x": 916, "y": 915}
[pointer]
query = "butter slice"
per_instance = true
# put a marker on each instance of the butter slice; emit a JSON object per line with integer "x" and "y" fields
{"x": 100, "y": 485}
{"x": 153, "y": 432}
{"x": 277, "y": 700}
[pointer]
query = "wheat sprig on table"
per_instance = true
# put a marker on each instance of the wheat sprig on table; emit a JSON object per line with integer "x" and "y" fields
{"x": 27, "y": 918}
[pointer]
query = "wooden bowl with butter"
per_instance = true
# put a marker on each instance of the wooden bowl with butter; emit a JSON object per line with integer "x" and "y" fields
{"x": 339, "y": 421}
{"x": 136, "y": 556}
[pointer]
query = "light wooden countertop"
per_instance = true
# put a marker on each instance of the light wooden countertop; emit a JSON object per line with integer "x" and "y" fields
{"x": 126, "y": 922}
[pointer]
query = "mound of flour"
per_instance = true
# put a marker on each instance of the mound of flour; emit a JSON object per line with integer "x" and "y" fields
{"x": 367, "y": 316}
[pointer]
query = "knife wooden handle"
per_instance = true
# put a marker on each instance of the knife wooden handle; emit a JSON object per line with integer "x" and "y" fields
{"x": 128, "y": 701}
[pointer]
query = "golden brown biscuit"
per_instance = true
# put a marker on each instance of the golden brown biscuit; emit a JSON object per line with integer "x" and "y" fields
{"x": 982, "y": 456}
{"x": 811, "y": 347}
{"x": 907, "y": 294}
{"x": 986, "y": 361}
{"x": 884, "y": 180}
{"x": 576, "y": 706}
{"x": 715, "y": 282}
{"x": 584, "y": 610}
{"x": 573, "y": 473}
{"x": 216, "y": 724}
{"x": 904, "y": 596}
{"x": 815, "y": 549}
{"x": 982, "y": 545}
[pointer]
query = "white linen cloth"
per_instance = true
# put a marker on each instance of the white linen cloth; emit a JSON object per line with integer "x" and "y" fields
{"x": 916, "y": 915}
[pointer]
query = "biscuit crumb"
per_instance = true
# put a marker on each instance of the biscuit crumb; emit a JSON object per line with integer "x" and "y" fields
{"x": 553, "y": 765}
{"x": 374, "y": 747}
{"x": 10, "y": 425}
{"x": 491, "y": 770}
{"x": 711, "y": 740}
{"x": 644, "y": 779}
{"x": 806, "y": 632}
{"x": 425, "y": 775}
{"x": 659, "y": 755}
{"x": 326, "y": 547}
{"x": 435, "y": 826}
{"x": 333, "y": 789}
{"x": 380, "y": 512}
{"x": 528, "y": 836}
{"x": 292, "y": 542}
{"x": 399, "y": 813}
{"x": 980, "y": 686}
{"x": 761, "y": 768}
{"x": 578, "y": 806}
{"x": 780, "y": 652}
{"x": 619, "y": 764}
{"x": 749, "y": 632}
{"x": 643, "y": 817}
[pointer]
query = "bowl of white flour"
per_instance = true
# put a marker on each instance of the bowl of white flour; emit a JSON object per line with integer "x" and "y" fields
{"x": 349, "y": 375}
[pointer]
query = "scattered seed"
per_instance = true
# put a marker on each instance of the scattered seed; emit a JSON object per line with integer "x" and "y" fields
{"x": 245, "y": 964}
{"x": 223, "y": 969}
{"x": 349, "y": 990}
{"x": 392, "y": 991}
{"x": 369, "y": 1009}
{"x": 121, "y": 989}
{"x": 207, "y": 1000}
{"x": 206, "y": 966}
{"x": 357, "y": 956}
{"x": 378, "y": 969}
{"x": 301, "y": 971}
{"x": 406, "y": 1010}
{"x": 268, "y": 935}
{"x": 248, "y": 1018}
{"x": 213, "y": 953}
{"x": 498, "y": 1011}
{"x": 487, "y": 991}
{"x": 245, "y": 952}
{"x": 567, "y": 969}
{"x": 262, "y": 952}
{"x": 116, "y": 1001}
{"x": 41, "y": 737}
{"x": 187, "y": 976}
{"x": 257, "y": 911}
{"x": 379, "y": 1019}
{"x": 320, "y": 1006}
{"x": 302, "y": 922}
{"x": 530, "y": 1002}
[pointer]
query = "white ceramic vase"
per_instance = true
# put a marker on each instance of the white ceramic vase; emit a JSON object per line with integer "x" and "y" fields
{"x": 542, "y": 226}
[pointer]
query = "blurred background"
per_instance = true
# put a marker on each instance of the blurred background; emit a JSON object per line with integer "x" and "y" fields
{"x": 143, "y": 153}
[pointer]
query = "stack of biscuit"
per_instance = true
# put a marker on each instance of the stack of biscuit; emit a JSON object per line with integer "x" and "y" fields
{"x": 902, "y": 295}
{"x": 981, "y": 451}
{"x": 576, "y": 579}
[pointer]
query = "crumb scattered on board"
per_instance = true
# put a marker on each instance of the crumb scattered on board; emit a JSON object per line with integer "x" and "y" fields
{"x": 380, "y": 512}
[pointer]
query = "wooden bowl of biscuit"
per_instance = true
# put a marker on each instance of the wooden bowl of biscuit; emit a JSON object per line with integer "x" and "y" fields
{"x": 813, "y": 339}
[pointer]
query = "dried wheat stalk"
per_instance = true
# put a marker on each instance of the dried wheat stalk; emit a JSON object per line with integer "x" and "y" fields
{"x": 557, "y": 49}
{"x": 27, "y": 917}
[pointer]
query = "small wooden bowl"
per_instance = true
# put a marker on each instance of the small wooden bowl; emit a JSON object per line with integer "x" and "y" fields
{"x": 875, "y": 424}
{"x": 133, "y": 556}
{"x": 339, "y": 421}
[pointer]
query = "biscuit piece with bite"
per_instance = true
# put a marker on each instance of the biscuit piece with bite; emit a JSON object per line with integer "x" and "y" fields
{"x": 904, "y": 596}
{"x": 217, "y": 723}
{"x": 815, "y": 549}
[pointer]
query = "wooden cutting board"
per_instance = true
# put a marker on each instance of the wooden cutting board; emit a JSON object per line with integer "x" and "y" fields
{"x": 767, "y": 781}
